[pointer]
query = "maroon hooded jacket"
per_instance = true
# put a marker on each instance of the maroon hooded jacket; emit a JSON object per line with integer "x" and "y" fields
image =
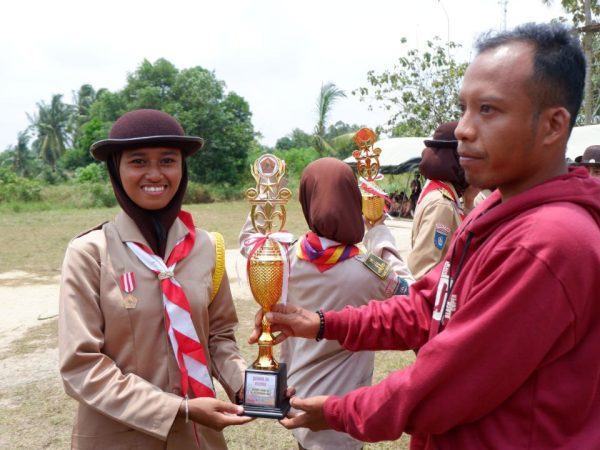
{"x": 514, "y": 359}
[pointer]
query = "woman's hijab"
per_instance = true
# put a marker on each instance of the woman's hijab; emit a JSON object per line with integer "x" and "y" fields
{"x": 441, "y": 163}
{"x": 154, "y": 224}
{"x": 331, "y": 201}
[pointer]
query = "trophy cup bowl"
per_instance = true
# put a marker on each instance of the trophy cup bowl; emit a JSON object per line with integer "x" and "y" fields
{"x": 266, "y": 280}
{"x": 372, "y": 207}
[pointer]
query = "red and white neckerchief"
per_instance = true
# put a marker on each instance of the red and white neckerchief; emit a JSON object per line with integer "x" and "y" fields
{"x": 434, "y": 185}
{"x": 188, "y": 350}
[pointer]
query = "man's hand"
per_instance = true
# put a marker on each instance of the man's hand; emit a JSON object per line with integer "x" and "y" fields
{"x": 214, "y": 413}
{"x": 289, "y": 321}
{"x": 311, "y": 417}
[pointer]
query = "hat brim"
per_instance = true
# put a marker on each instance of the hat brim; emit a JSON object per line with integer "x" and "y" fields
{"x": 585, "y": 164}
{"x": 189, "y": 145}
{"x": 438, "y": 143}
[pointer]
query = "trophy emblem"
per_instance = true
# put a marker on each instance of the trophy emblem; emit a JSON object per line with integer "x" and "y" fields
{"x": 266, "y": 380}
{"x": 367, "y": 165}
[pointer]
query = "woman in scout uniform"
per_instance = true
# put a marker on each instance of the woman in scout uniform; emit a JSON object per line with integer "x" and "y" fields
{"x": 438, "y": 212}
{"x": 329, "y": 271}
{"x": 146, "y": 314}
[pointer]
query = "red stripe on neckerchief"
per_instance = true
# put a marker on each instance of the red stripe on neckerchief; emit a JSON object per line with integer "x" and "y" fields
{"x": 185, "y": 342}
{"x": 324, "y": 253}
{"x": 435, "y": 185}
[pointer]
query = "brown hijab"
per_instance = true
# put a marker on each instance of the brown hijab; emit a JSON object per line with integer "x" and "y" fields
{"x": 331, "y": 201}
{"x": 154, "y": 224}
{"x": 439, "y": 160}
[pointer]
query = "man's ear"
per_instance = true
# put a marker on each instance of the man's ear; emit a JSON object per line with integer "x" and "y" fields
{"x": 556, "y": 123}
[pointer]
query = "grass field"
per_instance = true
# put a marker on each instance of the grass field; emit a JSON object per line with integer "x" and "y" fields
{"x": 39, "y": 414}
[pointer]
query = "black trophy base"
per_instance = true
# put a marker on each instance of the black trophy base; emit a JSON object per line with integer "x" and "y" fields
{"x": 264, "y": 393}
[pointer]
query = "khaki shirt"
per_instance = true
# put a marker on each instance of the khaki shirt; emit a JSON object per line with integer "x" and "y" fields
{"x": 117, "y": 362}
{"x": 437, "y": 216}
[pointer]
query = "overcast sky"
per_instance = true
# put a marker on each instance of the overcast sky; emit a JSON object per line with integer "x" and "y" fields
{"x": 274, "y": 53}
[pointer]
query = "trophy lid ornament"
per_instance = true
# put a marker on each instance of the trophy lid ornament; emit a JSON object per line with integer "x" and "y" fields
{"x": 375, "y": 202}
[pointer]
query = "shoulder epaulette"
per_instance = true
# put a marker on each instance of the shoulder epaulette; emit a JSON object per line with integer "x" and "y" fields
{"x": 447, "y": 195}
{"x": 376, "y": 265}
{"x": 94, "y": 228}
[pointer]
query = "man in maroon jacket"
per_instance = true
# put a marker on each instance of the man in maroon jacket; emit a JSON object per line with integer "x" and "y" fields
{"x": 507, "y": 324}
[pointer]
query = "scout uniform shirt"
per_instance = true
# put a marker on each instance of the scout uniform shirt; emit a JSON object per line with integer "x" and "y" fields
{"x": 437, "y": 216}
{"x": 116, "y": 359}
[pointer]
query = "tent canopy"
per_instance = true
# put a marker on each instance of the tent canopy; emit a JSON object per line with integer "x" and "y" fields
{"x": 403, "y": 154}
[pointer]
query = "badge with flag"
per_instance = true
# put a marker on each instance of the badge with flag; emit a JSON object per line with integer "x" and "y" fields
{"x": 128, "y": 286}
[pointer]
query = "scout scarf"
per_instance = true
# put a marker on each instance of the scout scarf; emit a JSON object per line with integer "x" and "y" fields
{"x": 187, "y": 348}
{"x": 322, "y": 252}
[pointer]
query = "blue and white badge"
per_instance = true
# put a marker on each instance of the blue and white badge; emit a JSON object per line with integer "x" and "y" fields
{"x": 441, "y": 234}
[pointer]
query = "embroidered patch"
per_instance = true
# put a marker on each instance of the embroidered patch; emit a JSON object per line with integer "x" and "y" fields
{"x": 377, "y": 265}
{"x": 402, "y": 287}
{"x": 441, "y": 234}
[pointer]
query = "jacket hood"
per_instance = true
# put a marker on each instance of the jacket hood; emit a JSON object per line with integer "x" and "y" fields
{"x": 574, "y": 187}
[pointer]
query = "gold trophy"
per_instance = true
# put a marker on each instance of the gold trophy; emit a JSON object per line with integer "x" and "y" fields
{"x": 266, "y": 380}
{"x": 367, "y": 166}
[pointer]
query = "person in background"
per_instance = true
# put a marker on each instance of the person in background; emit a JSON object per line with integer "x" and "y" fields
{"x": 590, "y": 160}
{"x": 146, "y": 317}
{"x": 439, "y": 211}
{"x": 328, "y": 270}
{"x": 507, "y": 326}
{"x": 415, "y": 191}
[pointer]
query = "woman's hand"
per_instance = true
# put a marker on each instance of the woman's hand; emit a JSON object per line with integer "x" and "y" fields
{"x": 289, "y": 321}
{"x": 214, "y": 413}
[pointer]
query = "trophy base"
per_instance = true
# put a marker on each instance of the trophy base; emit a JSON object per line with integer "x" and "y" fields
{"x": 264, "y": 393}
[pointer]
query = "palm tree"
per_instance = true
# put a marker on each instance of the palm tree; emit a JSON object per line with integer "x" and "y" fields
{"x": 21, "y": 154}
{"x": 328, "y": 96}
{"x": 50, "y": 124}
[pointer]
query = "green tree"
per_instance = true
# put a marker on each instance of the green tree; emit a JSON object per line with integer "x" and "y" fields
{"x": 420, "y": 92}
{"x": 583, "y": 13}
{"x": 51, "y": 124}
{"x": 296, "y": 139}
{"x": 150, "y": 85}
{"x": 18, "y": 157}
{"x": 223, "y": 120}
{"x": 328, "y": 96}
{"x": 83, "y": 99}
{"x": 195, "y": 97}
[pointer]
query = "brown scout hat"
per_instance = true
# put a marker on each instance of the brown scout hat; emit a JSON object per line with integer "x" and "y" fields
{"x": 443, "y": 136}
{"x": 145, "y": 128}
{"x": 590, "y": 157}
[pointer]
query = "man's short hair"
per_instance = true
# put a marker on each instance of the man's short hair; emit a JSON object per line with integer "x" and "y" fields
{"x": 558, "y": 63}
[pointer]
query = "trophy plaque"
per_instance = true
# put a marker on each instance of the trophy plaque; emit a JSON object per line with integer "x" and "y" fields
{"x": 367, "y": 166}
{"x": 266, "y": 380}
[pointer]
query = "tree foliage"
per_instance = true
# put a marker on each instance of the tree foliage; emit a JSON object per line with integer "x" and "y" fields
{"x": 328, "y": 96}
{"x": 420, "y": 92}
{"x": 583, "y": 14}
{"x": 51, "y": 127}
{"x": 196, "y": 98}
